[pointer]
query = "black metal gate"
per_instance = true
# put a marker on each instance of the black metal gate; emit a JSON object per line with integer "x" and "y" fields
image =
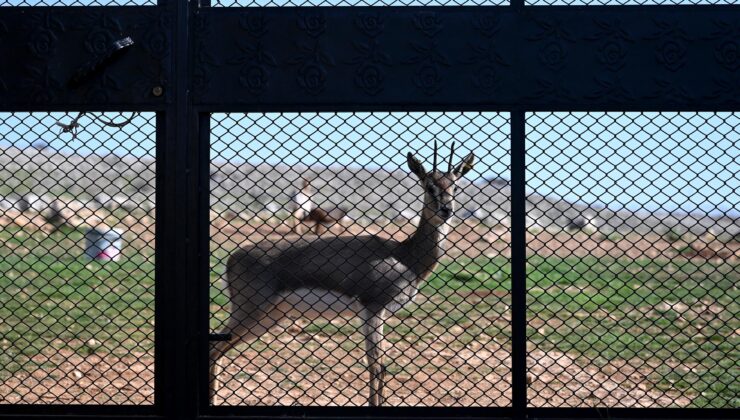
{"x": 509, "y": 67}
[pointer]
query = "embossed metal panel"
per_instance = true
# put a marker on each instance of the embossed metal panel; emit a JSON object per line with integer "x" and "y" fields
{"x": 538, "y": 58}
{"x": 49, "y": 46}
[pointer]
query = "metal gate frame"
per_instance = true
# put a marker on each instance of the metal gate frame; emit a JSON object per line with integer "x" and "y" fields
{"x": 190, "y": 60}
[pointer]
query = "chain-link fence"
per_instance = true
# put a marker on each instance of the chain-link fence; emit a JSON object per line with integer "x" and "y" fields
{"x": 623, "y": 2}
{"x": 77, "y": 258}
{"x": 633, "y": 237}
{"x": 318, "y": 3}
{"x": 279, "y": 180}
{"x": 633, "y": 226}
{"x": 78, "y": 3}
{"x": 328, "y": 3}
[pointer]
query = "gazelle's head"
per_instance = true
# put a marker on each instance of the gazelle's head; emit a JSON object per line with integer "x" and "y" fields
{"x": 439, "y": 187}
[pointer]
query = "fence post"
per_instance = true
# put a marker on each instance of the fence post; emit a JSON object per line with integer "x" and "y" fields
{"x": 176, "y": 391}
{"x": 518, "y": 266}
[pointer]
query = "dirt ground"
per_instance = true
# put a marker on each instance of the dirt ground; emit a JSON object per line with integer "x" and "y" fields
{"x": 473, "y": 239}
{"x": 298, "y": 367}
{"x": 65, "y": 377}
{"x": 468, "y": 238}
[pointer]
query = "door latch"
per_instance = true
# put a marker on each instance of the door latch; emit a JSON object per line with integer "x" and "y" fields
{"x": 95, "y": 66}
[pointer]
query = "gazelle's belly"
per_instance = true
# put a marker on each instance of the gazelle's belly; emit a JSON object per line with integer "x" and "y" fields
{"x": 315, "y": 303}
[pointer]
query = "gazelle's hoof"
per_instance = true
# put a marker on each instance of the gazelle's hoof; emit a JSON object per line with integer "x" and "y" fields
{"x": 376, "y": 400}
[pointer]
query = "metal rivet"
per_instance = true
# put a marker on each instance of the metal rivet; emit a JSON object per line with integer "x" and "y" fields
{"x": 157, "y": 91}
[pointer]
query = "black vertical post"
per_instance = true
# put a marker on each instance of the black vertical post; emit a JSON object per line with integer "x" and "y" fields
{"x": 169, "y": 248}
{"x": 201, "y": 163}
{"x": 164, "y": 311}
{"x": 518, "y": 266}
{"x": 190, "y": 139}
{"x": 175, "y": 393}
{"x": 202, "y": 201}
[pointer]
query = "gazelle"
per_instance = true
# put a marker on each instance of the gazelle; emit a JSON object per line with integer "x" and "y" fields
{"x": 323, "y": 219}
{"x": 302, "y": 205}
{"x": 370, "y": 276}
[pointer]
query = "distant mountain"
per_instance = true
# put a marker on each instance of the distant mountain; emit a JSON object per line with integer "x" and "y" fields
{"x": 394, "y": 194}
{"x": 368, "y": 194}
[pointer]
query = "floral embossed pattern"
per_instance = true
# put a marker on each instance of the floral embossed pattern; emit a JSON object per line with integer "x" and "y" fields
{"x": 485, "y": 54}
{"x": 614, "y": 43}
{"x": 256, "y": 62}
{"x": 312, "y": 58}
{"x": 370, "y": 58}
{"x": 426, "y": 54}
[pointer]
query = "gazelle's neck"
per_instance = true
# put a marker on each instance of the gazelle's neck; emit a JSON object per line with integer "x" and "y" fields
{"x": 422, "y": 250}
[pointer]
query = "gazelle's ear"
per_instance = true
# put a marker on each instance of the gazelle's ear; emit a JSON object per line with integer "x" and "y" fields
{"x": 415, "y": 166}
{"x": 465, "y": 166}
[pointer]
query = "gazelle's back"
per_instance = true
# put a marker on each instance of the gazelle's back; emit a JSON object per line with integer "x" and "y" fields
{"x": 363, "y": 268}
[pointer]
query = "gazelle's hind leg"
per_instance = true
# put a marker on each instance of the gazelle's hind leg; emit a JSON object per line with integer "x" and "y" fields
{"x": 373, "y": 330}
{"x": 243, "y": 327}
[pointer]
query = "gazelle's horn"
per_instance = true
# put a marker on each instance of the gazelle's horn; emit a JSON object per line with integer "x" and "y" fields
{"x": 452, "y": 156}
{"x": 434, "y": 165}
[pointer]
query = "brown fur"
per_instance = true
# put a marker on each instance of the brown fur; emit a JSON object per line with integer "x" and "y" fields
{"x": 322, "y": 219}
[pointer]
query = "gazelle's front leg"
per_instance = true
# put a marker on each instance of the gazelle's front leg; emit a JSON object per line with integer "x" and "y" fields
{"x": 216, "y": 353}
{"x": 373, "y": 330}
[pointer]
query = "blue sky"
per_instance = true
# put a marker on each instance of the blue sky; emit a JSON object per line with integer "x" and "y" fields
{"x": 664, "y": 161}
{"x": 361, "y": 139}
{"x": 22, "y": 129}
{"x": 657, "y": 161}
{"x": 669, "y": 161}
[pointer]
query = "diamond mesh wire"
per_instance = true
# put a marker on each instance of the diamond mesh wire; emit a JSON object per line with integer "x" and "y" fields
{"x": 451, "y": 346}
{"x": 76, "y": 315}
{"x": 623, "y": 2}
{"x": 634, "y": 238}
{"x": 78, "y": 3}
{"x": 307, "y": 3}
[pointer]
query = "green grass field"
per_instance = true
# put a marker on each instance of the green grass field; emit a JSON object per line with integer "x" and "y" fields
{"x": 52, "y": 297}
{"x": 680, "y": 316}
